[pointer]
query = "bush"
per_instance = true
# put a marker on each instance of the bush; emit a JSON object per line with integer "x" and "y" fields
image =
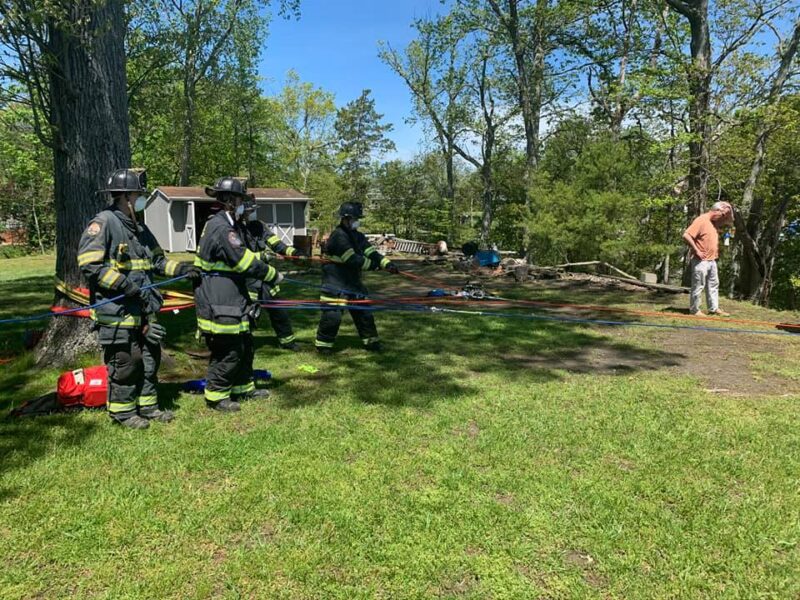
{"x": 13, "y": 251}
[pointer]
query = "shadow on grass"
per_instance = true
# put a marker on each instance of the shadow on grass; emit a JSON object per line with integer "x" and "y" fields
{"x": 23, "y": 441}
{"x": 675, "y": 310}
{"x": 431, "y": 358}
{"x": 22, "y": 298}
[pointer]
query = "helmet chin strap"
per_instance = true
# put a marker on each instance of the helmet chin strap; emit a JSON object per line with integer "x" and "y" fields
{"x": 132, "y": 212}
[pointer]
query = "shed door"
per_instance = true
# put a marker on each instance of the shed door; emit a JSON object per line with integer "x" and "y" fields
{"x": 284, "y": 222}
{"x": 191, "y": 240}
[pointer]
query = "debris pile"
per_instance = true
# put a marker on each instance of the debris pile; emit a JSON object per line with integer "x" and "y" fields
{"x": 388, "y": 243}
{"x": 602, "y": 273}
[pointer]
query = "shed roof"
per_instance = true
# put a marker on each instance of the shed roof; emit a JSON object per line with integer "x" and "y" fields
{"x": 199, "y": 193}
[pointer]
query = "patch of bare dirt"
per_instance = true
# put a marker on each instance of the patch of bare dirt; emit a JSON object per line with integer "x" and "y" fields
{"x": 723, "y": 362}
{"x": 504, "y": 499}
{"x": 471, "y": 430}
{"x": 459, "y": 587}
{"x": 585, "y": 562}
{"x": 473, "y": 551}
{"x": 577, "y": 558}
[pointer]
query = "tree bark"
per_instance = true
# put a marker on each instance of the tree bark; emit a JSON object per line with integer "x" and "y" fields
{"x": 450, "y": 190}
{"x": 90, "y": 123}
{"x": 699, "y": 77}
{"x": 529, "y": 65}
{"x": 188, "y": 133}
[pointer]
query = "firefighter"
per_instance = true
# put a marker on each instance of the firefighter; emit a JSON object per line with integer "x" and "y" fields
{"x": 349, "y": 254}
{"x": 118, "y": 255}
{"x": 224, "y": 309}
{"x": 259, "y": 237}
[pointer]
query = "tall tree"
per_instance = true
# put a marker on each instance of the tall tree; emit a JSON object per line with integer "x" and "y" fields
{"x": 526, "y": 31}
{"x": 436, "y": 73}
{"x": 26, "y": 177}
{"x": 757, "y": 232}
{"x": 205, "y": 34}
{"x": 362, "y": 138}
{"x": 304, "y": 137}
{"x": 739, "y": 24}
{"x": 70, "y": 55}
{"x": 620, "y": 42}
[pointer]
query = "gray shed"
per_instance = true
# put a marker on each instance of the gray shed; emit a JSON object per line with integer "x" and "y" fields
{"x": 176, "y": 215}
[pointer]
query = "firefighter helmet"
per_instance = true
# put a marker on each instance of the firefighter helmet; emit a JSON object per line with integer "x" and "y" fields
{"x": 227, "y": 185}
{"x": 351, "y": 209}
{"x": 126, "y": 180}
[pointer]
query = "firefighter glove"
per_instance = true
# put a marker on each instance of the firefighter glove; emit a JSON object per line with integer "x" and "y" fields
{"x": 191, "y": 272}
{"x": 130, "y": 289}
{"x": 150, "y": 300}
{"x": 154, "y": 333}
{"x": 392, "y": 268}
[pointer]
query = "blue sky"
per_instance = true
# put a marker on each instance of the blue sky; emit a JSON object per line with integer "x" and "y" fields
{"x": 334, "y": 45}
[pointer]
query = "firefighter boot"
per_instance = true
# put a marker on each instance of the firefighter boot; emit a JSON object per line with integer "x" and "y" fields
{"x": 133, "y": 422}
{"x": 153, "y": 413}
{"x": 374, "y": 347}
{"x": 291, "y": 347}
{"x": 256, "y": 394}
{"x": 226, "y": 405}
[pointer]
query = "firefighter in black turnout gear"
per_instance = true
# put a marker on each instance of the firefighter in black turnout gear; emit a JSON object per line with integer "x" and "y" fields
{"x": 225, "y": 312}
{"x": 259, "y": 238}
{"x": 349, "y": 253}
{"x": 118, "y": 255}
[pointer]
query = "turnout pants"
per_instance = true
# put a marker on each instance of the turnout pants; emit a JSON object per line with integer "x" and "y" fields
{"x": 230, "y": 369}
{"x": 132, "y": 376}
{"x": 704, "y": 276}
{"x": 332, "y": 317}
{"x": 281, "y": 325}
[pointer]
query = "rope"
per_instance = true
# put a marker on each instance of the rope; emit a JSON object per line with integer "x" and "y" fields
{"x": 69, "y": 311}
{"x": 376, "y": 306}
{"x": 425, "y": 304}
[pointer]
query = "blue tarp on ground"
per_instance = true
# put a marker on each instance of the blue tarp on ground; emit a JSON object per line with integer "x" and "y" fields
{"x": 487, "y": 258}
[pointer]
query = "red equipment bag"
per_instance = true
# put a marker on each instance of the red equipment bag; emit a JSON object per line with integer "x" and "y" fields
{"x": 83, "y": 387}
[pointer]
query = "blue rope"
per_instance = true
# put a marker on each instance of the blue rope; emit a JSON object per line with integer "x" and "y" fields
{"x": 387, "y": 305}
{"x": 614, "y": 323}
{"x": 576, "y": 320}
{"x": 70, "y": 311}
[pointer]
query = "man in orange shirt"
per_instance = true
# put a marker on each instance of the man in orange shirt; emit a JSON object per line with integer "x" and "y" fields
{"x": 702, "y": 237}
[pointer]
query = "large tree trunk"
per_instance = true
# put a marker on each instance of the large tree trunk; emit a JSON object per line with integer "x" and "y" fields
{"x": 488, "y": 204}
{"x": 188, "y": 133}
{"x": 450, "y": 188}
{"x": 696, "y": 13}
{"x": 700, "y": 90}
{"x": 529, "y": 84}
{"x": 487, "y": 178}
{"x": 90, "y": 123}
{"x": 754, "y": 279}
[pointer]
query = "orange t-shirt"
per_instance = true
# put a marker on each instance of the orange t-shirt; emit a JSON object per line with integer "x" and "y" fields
{"x": 705, "y": 235}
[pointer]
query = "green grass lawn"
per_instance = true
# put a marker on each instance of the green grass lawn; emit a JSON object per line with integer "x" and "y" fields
{"x": 474, "y": 458}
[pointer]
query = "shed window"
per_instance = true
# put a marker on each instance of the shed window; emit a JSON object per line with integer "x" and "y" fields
{"x": 283, "y": 214}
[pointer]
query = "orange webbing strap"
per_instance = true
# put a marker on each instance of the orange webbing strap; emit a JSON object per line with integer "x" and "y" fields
{"x": 77, "y": 295}
{"x": 172, "y": 298}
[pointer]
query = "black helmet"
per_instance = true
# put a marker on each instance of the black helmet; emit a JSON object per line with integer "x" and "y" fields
{"x": 227, "y": 185}
{"x": 351, "y": 209}
{"x": 126, "y": 180}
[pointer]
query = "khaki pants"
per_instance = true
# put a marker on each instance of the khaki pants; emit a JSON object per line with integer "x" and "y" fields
{"x": 704, "y": 276}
